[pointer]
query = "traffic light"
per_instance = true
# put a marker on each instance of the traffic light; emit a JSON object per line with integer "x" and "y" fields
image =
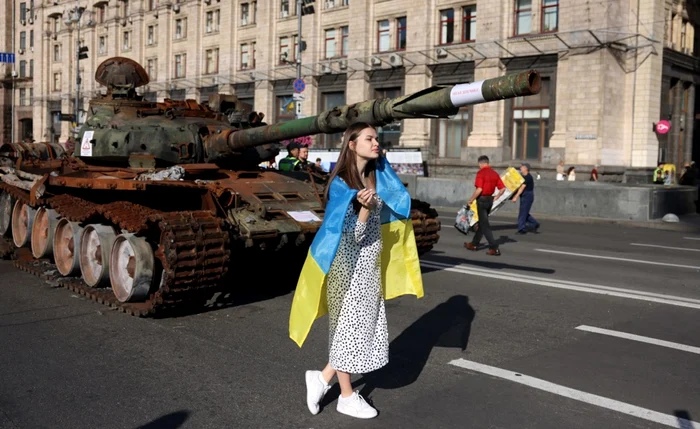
{"x": 307, "y": 7}
{"x": 82, "y": 52}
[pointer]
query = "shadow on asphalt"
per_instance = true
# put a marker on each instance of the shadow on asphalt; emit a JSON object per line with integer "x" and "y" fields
{"x": 168, "y": 421}
{"x": 684, "y": 419}
{"x": 435, "y": 257}
{"x": 447, "y": 325}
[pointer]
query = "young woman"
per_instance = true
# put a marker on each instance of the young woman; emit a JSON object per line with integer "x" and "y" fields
{"x": 358, "y": 336}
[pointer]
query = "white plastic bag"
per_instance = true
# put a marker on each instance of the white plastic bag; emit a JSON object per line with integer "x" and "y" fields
{"x": 462, "y": 220}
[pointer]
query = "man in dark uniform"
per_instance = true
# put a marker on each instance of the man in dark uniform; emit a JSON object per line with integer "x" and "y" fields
{"x": 291, "y": 162}
{"x": 487, "y": 180}
{"x": 526, "y": 193}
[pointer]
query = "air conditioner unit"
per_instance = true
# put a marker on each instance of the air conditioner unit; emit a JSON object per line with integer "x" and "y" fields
{"x": 375, "y": 61}
{"x": 207, "y": 1}
{"x": 55, "y": 2}
{"x": 123, "y": 22}
{"x": 687, "y": 51}
{"x": 395, "y": 60}
{"x": 23, "y": 22}
{"x": 326, "y": 69}
{"x": 441, "y": 53}
{"x": 176, "y": 8}
{"x": 21, "y": 51}
{"x": 343, "y": 64}
{"x": 31, "y": 20}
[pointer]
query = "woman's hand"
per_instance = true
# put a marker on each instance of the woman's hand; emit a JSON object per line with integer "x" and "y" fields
{"x": 366, "y": 198}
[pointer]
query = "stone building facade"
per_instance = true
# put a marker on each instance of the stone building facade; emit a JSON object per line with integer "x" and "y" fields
{"x": 611, "y": 70}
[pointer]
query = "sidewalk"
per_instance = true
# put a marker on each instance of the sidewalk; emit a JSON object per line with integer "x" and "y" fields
{"x": 688, "y": 223}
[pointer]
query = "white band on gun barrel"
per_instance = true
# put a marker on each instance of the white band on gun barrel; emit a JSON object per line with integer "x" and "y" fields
{"x": 467, "y": 93}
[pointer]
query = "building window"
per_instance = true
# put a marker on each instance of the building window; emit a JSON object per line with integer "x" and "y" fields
{"x": 23, "y": 40}
{"x": 452, "y": 134}
{"x": 31, "y": 68}
{"x": 152, "y": 5}
{"x": 523, "y": 16}
{"x": 23, "y": 11}
{"x": 287, "y": 52}
{"x": 330, "y": 43}
{"x": 180, "y": 65}
{"x": 330, "y": 4}
{"x": 255, "y": 53}
{"x": 469, "y": 23}
{"x": 212, "y": 61}
{"x": 126, "y": 9}
{"x": 285, "y": 10}
{"x": 344, "y": 45}
{"x": 245, "y": 14}
{"x": 330, "y": 100}
{"x": 401, "y": 33}
{"x": 100, "y": 14}
{"x": 151, "y": 35}
{"x": 57, "y": 52}
{"x": 22, "y": 68}
{"x": 531, "y": 124}
{"x": 550, "y": 15}
{"x": 31, "y": 38}
{"x": 57, "y": 81}
{"x": 684, "y": 33}
{"x": 255, "y": 12}
{"x": 213, "y": 21}
{"x": 22, "y": 97}
{"x": 447, "y": 26}
{"x": 126, "y": 45}
{"x": 388, "y": 135}
{"x": 383, "y": 36}
{"x": 56, "y": 25}
{"x": 180, "y": 28}
{"x": 245, "y": 55}
{"x": 102, "y": 47}
{"x": 152, "y": 69}
{"x": 284, "y": 108}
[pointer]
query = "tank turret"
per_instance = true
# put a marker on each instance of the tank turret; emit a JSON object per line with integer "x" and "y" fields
{"x": 121, "y": 126}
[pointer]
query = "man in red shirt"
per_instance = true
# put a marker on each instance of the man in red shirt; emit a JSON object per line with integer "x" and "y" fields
{"x": 487, "y": 181}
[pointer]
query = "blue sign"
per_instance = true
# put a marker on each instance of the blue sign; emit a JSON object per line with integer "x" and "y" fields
{"x": 299, "y": 85}
{"x": 6, "y": 57}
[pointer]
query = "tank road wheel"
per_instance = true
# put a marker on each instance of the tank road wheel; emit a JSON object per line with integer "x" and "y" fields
{"x": 43, "y": 230}
{"x": 6, "y": 203}
{"x": 22, "y": 220}
{"x": 66, "y": 247}
{"x": 95, "y": 246}
{"x": 132, "y": 268}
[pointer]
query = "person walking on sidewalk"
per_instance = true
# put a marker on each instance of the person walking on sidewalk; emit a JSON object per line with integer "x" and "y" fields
{"x": 526, "y": 193}
{"x": 487, "y": 181}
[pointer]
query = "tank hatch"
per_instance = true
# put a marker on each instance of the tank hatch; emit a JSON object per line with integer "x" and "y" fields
{"x": 121, "y": 75}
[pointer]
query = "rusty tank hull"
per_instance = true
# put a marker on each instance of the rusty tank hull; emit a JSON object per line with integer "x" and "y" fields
{"x": 160, "y": 205}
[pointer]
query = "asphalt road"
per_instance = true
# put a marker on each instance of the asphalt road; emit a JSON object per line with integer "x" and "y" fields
{"x": 540, "y": 337}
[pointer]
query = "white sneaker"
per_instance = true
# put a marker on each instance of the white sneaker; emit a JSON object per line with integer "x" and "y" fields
{"x": 316, "y": 388}
{"x": 355, "y": 406}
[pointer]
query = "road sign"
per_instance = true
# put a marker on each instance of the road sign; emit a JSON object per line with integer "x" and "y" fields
{"x": 6, "y": 57}
{"x": 298, "y": 97}
{"x": 298, "y": 107}
{"x": 299, "y": 85}
{"x": 663, "y": 126}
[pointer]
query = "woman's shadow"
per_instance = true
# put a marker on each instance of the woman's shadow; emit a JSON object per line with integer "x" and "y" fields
{"x": 447, "y": 325}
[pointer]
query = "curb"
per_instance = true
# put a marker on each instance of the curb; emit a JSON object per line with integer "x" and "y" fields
{"x": 688, "y": 223}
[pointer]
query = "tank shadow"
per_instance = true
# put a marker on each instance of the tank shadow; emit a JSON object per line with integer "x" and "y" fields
{"x": 447, "y": 325}
{"x": 168, "y": 421}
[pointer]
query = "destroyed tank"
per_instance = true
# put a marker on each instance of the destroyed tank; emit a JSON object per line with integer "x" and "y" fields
{"x": 164, "y": 203}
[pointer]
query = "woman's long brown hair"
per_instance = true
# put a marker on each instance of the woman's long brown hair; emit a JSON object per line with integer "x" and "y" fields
{"x": 346, "y": 167}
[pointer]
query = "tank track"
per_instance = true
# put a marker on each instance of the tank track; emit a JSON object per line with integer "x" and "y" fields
{"x": 193, "y": 250}
{"x": 425, "y": 225}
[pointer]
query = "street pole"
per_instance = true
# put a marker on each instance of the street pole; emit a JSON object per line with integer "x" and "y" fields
{"x": 298, "y": 53}
{"x": 77, "y": 69}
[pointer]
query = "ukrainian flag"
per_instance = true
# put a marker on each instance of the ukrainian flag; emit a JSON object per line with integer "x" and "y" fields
{"x": 399, "y": 258}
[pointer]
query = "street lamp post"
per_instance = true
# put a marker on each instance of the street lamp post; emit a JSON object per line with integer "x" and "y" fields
{"x": 74, "y": 18}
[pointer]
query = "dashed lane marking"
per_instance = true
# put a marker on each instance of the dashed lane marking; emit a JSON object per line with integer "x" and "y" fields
{"x": 687, "y": 249}
{"x": 569, "y": 285}
{"x": 640, "y": 338}
{"x": 578, "y": 395}
{"x": 612, "y": 258}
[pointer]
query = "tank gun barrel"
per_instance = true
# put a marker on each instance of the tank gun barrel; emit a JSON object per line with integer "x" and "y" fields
{"x": 434, "y": 102}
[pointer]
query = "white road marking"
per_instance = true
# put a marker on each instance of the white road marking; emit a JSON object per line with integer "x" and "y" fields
{"x": 567, "y": 392}
{"x": 569, "y": 285}
{"x": 452, "y": 218}
{"x": 612, "y": 258}
{"x": 640, "y": 338}
{"x": 665, "y": 247}
{"x": 692, "y": 238}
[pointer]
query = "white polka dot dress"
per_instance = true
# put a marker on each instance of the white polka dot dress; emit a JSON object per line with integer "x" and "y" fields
{"x": 358, "y": 335}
